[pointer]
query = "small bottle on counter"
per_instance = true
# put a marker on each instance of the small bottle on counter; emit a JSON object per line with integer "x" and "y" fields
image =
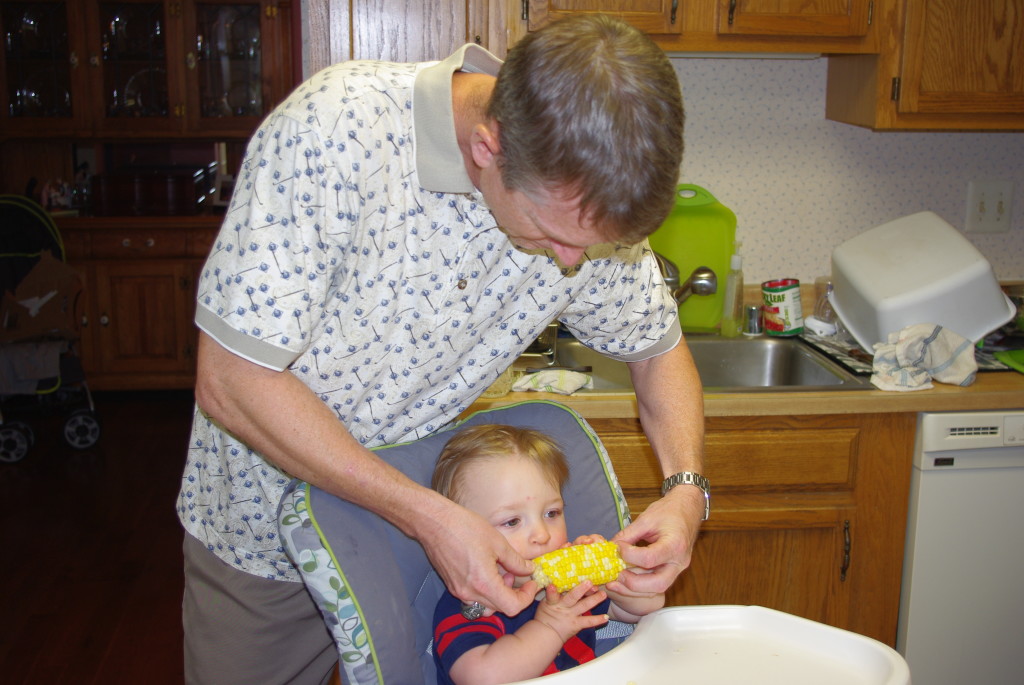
{"x": 752, "y": 323}
{"x": 732, "y": 311}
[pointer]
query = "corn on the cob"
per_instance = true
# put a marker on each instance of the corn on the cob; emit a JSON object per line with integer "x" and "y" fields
{"x": 566, "y": 568}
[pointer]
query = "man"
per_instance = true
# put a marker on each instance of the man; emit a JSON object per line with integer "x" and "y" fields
{"x": 398, "y": 235}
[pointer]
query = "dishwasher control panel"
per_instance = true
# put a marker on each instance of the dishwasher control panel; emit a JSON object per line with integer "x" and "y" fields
{"x": 969, "y": 439}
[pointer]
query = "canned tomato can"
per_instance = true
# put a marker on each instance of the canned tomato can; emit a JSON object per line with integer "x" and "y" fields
{"x": 783, "y": 312}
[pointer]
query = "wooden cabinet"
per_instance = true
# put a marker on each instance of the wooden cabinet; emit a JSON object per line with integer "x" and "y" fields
{"x": 401, "y": 31}
{"x": 653, "y": 16}
{"x": 945, "y": 65}
{"x": 140, "y": 279}
{"x": 797, "y": 26}
{"x": 142, "y": 68}
{"x": 808, "y": 513}
{"x": 810, "y": 18}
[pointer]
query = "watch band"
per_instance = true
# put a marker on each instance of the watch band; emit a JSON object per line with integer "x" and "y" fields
{"x": 690, "y": 478}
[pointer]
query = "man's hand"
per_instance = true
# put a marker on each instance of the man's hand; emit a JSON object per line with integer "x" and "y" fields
{"x": 669, "y": 526}
{"x": 469, "y": 555}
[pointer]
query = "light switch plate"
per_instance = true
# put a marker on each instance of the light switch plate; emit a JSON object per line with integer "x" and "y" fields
{"x": 988, "y": 206}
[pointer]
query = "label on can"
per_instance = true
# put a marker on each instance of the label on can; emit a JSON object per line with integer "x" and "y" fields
{"x": 783, "y": 312}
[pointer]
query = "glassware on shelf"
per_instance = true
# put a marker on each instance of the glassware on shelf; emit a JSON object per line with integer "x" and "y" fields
{"x": 134, "y": 59}
{"x": 228, "y": 46}
{"x": 37, "y": 59}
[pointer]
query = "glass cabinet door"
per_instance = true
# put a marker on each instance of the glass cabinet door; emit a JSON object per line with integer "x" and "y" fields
{"x": 132, "y": 69}
{"x": 232, "y": 62}
{"x": 40, "y": 63}
{"x": 228, "y": 69}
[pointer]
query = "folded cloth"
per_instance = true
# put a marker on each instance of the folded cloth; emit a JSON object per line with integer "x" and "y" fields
{"x": 562, "y": 381}
{"x": 917, "y": 354}
{"x": 24, "y": 365}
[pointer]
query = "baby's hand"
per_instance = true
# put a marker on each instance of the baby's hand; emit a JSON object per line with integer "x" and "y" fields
{"x": 586, "y": 540}
{"x": 567, "y": 614}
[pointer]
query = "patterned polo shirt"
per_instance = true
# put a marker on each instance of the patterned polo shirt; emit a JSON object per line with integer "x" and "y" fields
{"x": 357, "y": 255}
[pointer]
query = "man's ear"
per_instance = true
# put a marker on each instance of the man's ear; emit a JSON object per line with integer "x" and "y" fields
{"x": 484, "y": 144}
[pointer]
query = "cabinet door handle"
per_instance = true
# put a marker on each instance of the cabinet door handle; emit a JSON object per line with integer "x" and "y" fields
{"x": 104, "y": 320}
{"x": 846, "y": 551}
{"x": 85, "y": 321}
{"x": 73, "y": 59}
{"x": 190, "y": 61}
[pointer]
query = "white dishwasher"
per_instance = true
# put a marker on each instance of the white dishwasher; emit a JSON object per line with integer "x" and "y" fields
{"x": 962, "y": 600}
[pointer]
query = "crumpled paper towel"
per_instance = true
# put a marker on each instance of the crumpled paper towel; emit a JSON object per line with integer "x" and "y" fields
{"x": 562, "y": 381}
{"x": 919, "y": 353}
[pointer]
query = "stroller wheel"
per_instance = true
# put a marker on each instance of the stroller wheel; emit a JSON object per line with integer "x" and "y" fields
{"x": 81, "y": 430}
{"x": 15, "y": 440}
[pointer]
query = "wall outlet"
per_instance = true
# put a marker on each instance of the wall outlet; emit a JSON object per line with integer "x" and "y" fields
{"x": 988, "y": 206}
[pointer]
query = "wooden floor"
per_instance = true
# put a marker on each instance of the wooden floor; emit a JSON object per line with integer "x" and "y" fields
{"x": 91, "y": 572}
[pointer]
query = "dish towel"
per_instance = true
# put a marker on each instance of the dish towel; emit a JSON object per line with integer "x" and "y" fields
{"x": 554, "y": 380}
{"x": 922, "y": 352}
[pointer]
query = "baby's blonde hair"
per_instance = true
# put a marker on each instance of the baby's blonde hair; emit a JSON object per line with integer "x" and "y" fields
{"x": 495, "y": 441}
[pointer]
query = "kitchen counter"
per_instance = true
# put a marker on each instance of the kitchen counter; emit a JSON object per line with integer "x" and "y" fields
{"x": 991, "y": 390}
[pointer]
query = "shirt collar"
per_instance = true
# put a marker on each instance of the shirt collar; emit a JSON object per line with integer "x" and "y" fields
{"x": 439, "y": 162}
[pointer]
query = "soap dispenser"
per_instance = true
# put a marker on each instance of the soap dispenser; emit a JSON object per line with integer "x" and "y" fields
{"x": 732, "y": 307}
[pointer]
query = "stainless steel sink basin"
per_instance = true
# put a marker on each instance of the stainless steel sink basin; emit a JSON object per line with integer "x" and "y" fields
{"x": 729, "y": 365}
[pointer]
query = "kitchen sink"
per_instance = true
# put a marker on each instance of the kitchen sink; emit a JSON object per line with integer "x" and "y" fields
{"x": 761, "y": 364}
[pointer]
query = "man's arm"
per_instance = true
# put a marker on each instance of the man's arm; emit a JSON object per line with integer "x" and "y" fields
{"x": 671, "y": 406}
{"x": 278, "y": 416}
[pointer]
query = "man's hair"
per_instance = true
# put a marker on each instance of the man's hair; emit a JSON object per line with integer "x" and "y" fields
{"x": 495, "y": 441}
{"x": 590, "y": 107}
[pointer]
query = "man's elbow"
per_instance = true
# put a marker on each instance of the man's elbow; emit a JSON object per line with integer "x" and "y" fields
{"x": 214, "y": 376}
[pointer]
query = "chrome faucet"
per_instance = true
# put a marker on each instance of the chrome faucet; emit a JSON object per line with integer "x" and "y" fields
{"x": 701, "y": 282}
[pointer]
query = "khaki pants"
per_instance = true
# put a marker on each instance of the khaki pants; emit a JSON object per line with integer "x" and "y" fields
{"x": 240, "y": 628}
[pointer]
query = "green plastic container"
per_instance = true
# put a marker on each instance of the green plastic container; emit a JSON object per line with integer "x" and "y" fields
{"x": 699, "y": 231}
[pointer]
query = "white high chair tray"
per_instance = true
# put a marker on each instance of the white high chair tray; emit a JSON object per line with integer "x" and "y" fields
{"x": 715, "y": 645}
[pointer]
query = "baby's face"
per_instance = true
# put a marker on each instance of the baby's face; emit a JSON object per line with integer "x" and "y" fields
{"x": 519, "y": 501}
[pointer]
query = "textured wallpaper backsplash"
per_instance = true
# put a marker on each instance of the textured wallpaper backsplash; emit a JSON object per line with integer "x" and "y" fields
{"x": 758, "y": 140}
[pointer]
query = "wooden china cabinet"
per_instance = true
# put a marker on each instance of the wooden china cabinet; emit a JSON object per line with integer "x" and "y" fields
{"x": 118, "y": 69}
{"x": 143, "y": 87}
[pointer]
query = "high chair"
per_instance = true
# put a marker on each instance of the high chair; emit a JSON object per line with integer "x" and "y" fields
{"x": 374, "y": 585}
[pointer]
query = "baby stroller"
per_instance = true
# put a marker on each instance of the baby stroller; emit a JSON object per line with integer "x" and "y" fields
{"x": 40, "y": 371}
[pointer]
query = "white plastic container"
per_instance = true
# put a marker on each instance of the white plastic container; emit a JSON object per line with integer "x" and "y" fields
{"x": 733, "y": 645}
{"x": 917, "y": 269}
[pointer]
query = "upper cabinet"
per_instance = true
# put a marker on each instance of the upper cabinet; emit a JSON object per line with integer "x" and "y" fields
{"x": 403, "y": 31}
{"x": 142, "y": 68}
{"x": 807, "y": 26}
{"x": 947, "y": 64}
{"x": 809, "y": 18}
{"x": 653, "y": 16}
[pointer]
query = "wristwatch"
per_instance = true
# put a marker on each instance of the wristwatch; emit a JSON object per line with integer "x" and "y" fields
{"x": 690, "y": 478}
